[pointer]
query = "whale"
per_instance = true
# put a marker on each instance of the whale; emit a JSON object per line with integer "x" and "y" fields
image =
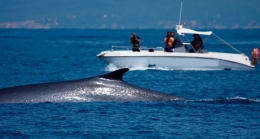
{"x": 102, "y": 88}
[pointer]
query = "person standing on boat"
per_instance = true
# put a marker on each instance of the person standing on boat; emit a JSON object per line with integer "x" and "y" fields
{"x": 169, "y": 40}
{"x": 197, "y": 43}
{"x": 135, "y": 40}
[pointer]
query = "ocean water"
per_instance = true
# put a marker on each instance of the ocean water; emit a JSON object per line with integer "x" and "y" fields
{"x": 221, "y": 104}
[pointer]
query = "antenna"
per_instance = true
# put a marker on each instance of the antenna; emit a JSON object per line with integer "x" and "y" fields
{"x": 180, "y": 14}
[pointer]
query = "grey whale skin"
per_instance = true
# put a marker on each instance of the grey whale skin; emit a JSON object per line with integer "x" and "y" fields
{"x": 103, "y": 88}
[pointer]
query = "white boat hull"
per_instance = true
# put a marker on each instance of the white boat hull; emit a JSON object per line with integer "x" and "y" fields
{"x": 178, "y": 61}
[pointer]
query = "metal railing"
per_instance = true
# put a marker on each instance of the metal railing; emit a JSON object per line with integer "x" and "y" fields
{"x": 141, "y": 47}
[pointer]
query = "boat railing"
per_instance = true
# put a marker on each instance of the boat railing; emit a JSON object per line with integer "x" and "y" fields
{"x": 186, "y": 43}
{"x": 141, "y": 47}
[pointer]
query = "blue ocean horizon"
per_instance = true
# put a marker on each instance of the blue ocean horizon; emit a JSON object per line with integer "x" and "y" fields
{"x": 221, "y": 104}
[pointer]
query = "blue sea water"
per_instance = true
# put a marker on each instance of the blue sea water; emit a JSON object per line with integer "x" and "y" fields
{"x": 221, "y": 104}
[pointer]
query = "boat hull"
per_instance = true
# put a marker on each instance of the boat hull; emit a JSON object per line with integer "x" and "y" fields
{"x": 185, "y": 61}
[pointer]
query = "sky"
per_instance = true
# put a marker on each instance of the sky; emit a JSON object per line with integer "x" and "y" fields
{"x": 129, "y": 14}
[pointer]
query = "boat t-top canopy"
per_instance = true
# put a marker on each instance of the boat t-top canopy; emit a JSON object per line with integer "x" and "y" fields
{"x": 181, "y": 31}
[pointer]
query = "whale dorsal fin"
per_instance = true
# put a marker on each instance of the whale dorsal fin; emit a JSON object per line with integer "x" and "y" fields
{"x": 115, "y": 75}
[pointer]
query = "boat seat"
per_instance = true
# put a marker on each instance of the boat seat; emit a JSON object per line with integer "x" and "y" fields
{"x": 177, "y": 43}
{"x": 186, "y": 48}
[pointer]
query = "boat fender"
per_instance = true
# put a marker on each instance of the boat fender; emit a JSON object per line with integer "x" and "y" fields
{"x": 255, "y": 57}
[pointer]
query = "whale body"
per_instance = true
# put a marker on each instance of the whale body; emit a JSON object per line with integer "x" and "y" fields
{"x": 104, "y": 88}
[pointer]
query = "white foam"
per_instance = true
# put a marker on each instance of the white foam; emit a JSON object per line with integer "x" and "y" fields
{"x": 112, "y": 67}
{"x": 228, "y": 99}
{"x": 243, "y": 98}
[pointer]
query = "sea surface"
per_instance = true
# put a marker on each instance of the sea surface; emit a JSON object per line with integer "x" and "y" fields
{"x": 221, "y": 104}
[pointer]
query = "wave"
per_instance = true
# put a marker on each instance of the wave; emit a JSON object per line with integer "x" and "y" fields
{"x": 111, "y": 67}
{"x": 229, "y": 100}
{"x": 237, "y": 99}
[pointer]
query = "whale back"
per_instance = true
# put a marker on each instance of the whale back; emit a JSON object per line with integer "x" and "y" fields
{"x": 107, "y": 87}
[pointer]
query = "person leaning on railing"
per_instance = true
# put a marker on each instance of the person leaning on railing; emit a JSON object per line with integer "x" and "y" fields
{"x": 135, "y": 40}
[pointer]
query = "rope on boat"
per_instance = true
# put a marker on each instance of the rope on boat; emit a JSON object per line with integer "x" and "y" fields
{"x": 227, "y": 43}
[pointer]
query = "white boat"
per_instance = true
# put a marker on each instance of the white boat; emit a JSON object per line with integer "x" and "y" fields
{"x": 180, "y": 58}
